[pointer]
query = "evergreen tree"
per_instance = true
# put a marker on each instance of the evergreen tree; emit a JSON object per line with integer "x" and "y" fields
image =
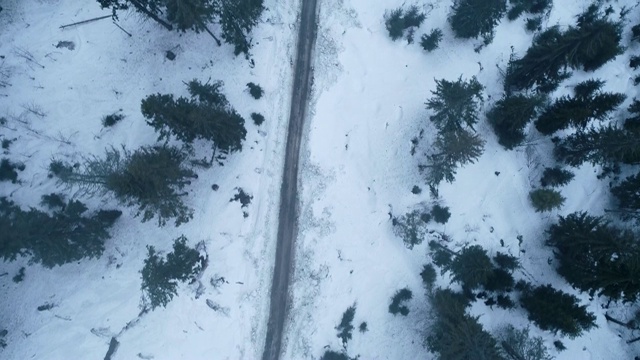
{"x": 506, "y": 261}
{"x": 206, "y": 115}
{"x": 555, "y": 177}
{"x": 346, "y": 325}
{"x": 66, "y": 235}
{"x": 588, "y": 104}
{"x": 555, "y": 311}
{"x": 333, "y": 355}
{"x": 597, "y": 257}
{"x": 546, "y": 199}
{"x": 455, "y": 103}
{"x": 149, "y": 178}
{"x": 428, "y": 275}
{"x": 627, "y": 194}
{"x": 594, "y": 41}
{"x": 160, "y": 277}
{"x": 473, "y": 18}
{"x": 410, "y": 228}
{"x": 456, "y": 335}
{"x": 510, "y": 115}
{"x": 529, "y": 6}
{"x": 440, "y": 214}
{"x": 604, "y": 146}
{"x": 472, "y": 267}
{"x": 237, "y": 18}
{"x": 519, "y": 345}
{"x": 397, "y": 21}
{"x": 397, "y": 302}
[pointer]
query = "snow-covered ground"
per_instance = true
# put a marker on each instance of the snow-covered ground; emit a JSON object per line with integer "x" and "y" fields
{"x": 369, "y": 102}
{"x": 106, "y": 71}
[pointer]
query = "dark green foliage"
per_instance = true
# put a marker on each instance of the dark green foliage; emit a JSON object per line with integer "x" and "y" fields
{"x": 242, "y": 197}
{"x": 8, "y": 171}
{"x": 546, "y": 199}
{"x": 160, "y": 277}
{"x": 533, "y": 24}
{"x": 6, "y": 143}
{"x": 472, "y": 267}
{"x": 332, "y": 355}
{"x": 257, "y": 118}
{"x": 363, "y": 327}
{"x": 456, "y": 335}
{"x": 205, "y": 115}
{"x": 505, "y": 302}
{"x": 518, "y": 344}
{"x": 255, "y": 90}
{"x": 45, "y": 307}
{"x": 455, "y": 103}
{"x": 432, "y": 41}
{"x": 150, "y": 178}
{"x": 428, "y": 275}
{"x": 597, "y": 257}
{"x": 19, "y": 277}
{"x": 3, "y": 332}
{"x": 53, "y": 201}
{"x": 346, "y": 325}
{"x": 416, "y": 190}
{"x": 440, "y": 214}
{"x": 499, "y": 280}
{"x": 62, "y": 237}
{"x": 634, "y": 62}
{"x": 399, "y": 20}
{"x": 627, "y": 195}
{"x": 111, "y": 119}
{"x": 473, "y": 18}
{"x": 510, "y": 115}
{"x": 555, "y": 177}
{"x": 506, "y": 261}
{"x": 587, "y": 105}
{"x": 589, "y": 45}
{"x": 554, "y": 310}
{"x": 397, "y": 302}
{"x": 410, "y": 228}
{"x": 59, "y": 168}
{"x": 604, "y": 146}
{"x": 529, "y": 6}
{"x": 451, "y": 150}
{"x": 237, "y": 18}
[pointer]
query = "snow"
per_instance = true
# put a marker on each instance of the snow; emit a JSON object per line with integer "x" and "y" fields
{"x": 368, "y": 103}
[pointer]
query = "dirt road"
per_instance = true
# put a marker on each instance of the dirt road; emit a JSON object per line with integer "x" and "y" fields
{"x": 288, "y": 220}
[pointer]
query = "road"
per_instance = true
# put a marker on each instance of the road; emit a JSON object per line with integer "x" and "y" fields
{"x": 288, "y": 219}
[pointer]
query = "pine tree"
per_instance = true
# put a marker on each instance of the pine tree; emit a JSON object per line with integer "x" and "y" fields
{"x": 587, "y": 105}
{"x": 66, "y": 235}
{"x": 456, "y": 335}
{"x": 510, "y": 115}
{"x": 150, "y": 178}
{"x": 345, "y": 328}
{"x": 627, "y": 193}
{"x": 237, "y": 18}
{"x": 472, "y": 267}
{"x": 529, "y": 6}
{"x": 546, "y": 199}
{"x": 410, "y": 228}
{"x": 455, "y": 103}
{"x": 604, "y": 146}
{"x": 473, "y": 18}
{"x": 430, "y": 42}
{"x": 519, "y": 345}
{"x": 397, "y": 21}
{"x": 206, "y": 115}
{"x": 398, "y": 300}
{"x": 160, "y": 277}
{"x": 555, "y": 311}
{"x": 555, "y": 177}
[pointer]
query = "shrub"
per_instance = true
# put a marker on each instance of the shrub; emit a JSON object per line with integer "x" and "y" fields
{"x": 555, "y": 311}
{"x": 397, "y": 301}
{"x": 428, "y": 276}
{"x": 533, "y": 24}
{"x": 440, "y": 214}
{"x": 432, "y": 41}
{"x": 257, "y": 118}
{"x": 416, "y": 190}
{"x": 473, "y": 18}
{"x": 19, "y": 277}
{"x": 255, "y": 90}
{"x": 8, "y": 171}
{"x": 363, "y": 327}
{"x": 160, "y": 277}
{"x": 332, "y": 355}
{"x": 546, "y": 199}
{"x": 53, "y": 201}
{"x": 555, "y": 177}
{"x": 112, "y": 119}
{"x": 399, "y": 20}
